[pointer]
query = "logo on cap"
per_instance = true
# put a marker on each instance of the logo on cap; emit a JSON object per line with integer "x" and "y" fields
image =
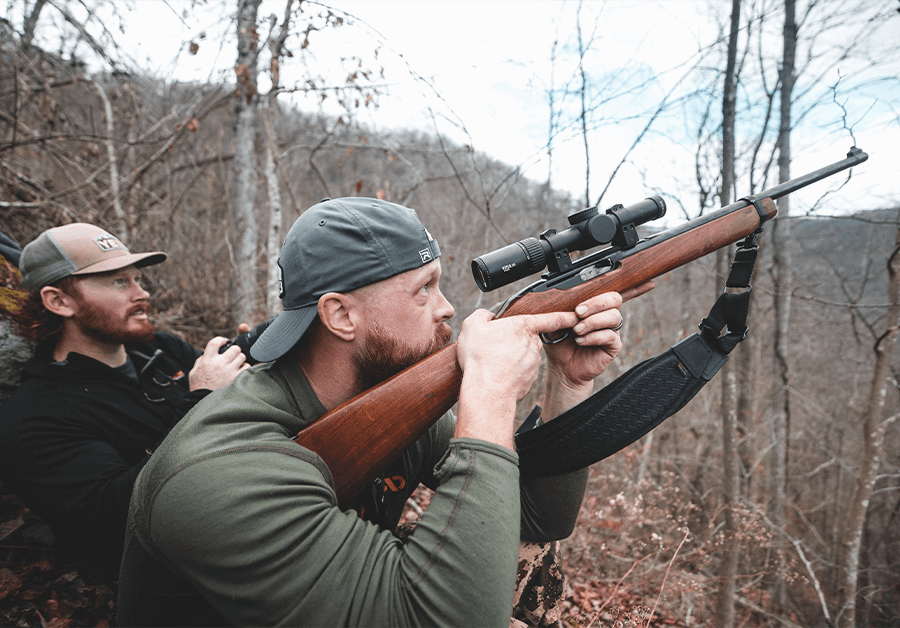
{"x": 425, "y": 254}
{"x": 108, "y": 243}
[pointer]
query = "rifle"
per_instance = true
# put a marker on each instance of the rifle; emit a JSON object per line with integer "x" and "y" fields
{"x": 359, "y": 439}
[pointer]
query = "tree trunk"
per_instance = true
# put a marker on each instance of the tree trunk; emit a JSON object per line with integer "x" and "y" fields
{"x": 122, "y": 223}
{"x": 731, "y": 488}
{"x": 30, "y": 24}
{"x": 245, "y": 114}
{"x": 273, "y": 283}
{"x": 781, "y": 414}
{"x": 732, "y": 547}
{"x": 584, "y": 129}
{"x": 273, "y": 167}
{"x": 874, "y": 426}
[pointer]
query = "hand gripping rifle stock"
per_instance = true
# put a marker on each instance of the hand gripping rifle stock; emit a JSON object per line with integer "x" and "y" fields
{"x": 359, "y": 439}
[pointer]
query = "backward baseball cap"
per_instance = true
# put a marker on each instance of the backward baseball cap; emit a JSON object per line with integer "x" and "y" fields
{"x": 340, "y": 245}
{"x": 76, "y": 249}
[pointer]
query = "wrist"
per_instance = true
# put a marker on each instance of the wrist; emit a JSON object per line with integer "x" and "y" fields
{"x": 562, "y": 393}
{"x": 485, "y": 413}
{"x": 557, "y": 378}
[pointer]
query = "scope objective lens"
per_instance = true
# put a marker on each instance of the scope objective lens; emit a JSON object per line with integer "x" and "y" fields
{"x": 508, "y": 264}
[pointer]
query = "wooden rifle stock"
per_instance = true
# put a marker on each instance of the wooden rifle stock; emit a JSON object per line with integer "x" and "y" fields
{"x": 359, "y": 439}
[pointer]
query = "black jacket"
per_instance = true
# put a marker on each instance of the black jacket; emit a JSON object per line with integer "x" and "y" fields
{"x": 75, "y": 435}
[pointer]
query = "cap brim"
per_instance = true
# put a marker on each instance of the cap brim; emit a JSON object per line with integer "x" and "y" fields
{"x": 283, "y": 333}
{"x": 115, "y": 263}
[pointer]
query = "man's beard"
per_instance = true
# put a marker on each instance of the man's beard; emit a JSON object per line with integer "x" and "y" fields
{"x": 99, "y": 325}
{"x": 382, "y": 355}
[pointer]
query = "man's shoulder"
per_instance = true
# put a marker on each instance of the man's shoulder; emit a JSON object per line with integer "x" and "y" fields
{"x": 273, "y": 392}
{"x": 41, "y": 381}
{"x": 255, "y": 410}
{"x": 40, "y": 405}
{"x": 257, "y": 394}
{"x": 249, "y": 418}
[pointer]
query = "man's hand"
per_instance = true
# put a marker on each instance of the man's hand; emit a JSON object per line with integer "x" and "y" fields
{"x": 592, "y": 345}
{"x": 500, "y": 360}
{"x": 213, "y": 370}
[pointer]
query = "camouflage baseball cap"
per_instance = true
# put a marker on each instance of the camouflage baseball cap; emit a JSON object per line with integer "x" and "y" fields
{"x": 76, "y": 249}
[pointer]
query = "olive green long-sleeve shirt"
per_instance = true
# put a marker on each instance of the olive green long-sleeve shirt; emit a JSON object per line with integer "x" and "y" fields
{"x": 232, "y": 522}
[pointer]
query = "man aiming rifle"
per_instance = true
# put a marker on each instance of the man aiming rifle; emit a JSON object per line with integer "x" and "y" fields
{"x": 240, "y": 519}
{"x": 232, "y": 522}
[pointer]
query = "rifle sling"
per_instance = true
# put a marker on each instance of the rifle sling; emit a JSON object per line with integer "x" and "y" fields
{"x": 646, "y": 395}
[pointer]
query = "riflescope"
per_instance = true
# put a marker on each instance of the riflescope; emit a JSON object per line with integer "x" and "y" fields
{"x": 588, "y": 228}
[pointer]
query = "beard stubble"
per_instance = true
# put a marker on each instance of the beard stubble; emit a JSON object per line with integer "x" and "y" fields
{"x": 383, "y": 355}
{"x": 102, "y": 326}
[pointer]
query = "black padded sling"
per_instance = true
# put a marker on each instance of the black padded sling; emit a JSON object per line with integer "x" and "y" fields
{"x": 646, "y": 395}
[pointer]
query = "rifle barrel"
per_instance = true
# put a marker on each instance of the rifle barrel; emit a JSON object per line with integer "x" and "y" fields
{"x": 854, "y": 157}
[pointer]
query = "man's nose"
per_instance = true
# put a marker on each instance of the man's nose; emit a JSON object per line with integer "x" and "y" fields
{"x": 140, "y": 292}
{"x": 446, "y": 308}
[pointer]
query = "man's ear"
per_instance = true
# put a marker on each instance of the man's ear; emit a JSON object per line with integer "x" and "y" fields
{"x": 339, "y": 314}
{"x": 57, "y": 301}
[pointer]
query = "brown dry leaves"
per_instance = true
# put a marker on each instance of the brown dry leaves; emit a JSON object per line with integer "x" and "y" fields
{"x": 43, "y": 586}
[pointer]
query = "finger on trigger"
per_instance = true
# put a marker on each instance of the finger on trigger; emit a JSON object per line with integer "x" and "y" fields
{"x": 551, "y": 321}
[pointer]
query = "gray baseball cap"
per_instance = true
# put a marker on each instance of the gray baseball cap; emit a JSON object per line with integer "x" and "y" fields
{"x": 337, "y": 246}
{"x": 76, "y": 249}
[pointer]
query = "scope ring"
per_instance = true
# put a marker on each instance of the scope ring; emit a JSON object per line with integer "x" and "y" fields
{"x": 548, "y": 341}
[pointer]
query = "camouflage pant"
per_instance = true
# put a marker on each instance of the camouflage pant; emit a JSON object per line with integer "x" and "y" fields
{"x": 540, "y": 586}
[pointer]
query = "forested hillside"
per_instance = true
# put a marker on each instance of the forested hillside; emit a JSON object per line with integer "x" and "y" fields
{"x": 667, "y": 489}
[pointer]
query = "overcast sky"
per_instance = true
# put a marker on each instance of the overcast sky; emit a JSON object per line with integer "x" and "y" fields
{"x": 483, "y": 68}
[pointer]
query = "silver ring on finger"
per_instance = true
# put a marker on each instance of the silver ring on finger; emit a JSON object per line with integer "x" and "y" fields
{"x": 620, "y": 325}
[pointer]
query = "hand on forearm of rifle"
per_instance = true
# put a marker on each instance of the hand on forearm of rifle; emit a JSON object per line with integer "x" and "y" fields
{"x": 592, "y": 345}
{"x": 500, "y": 360}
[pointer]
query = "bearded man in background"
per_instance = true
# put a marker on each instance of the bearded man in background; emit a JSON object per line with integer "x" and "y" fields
{"x": 103, "y": 389}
